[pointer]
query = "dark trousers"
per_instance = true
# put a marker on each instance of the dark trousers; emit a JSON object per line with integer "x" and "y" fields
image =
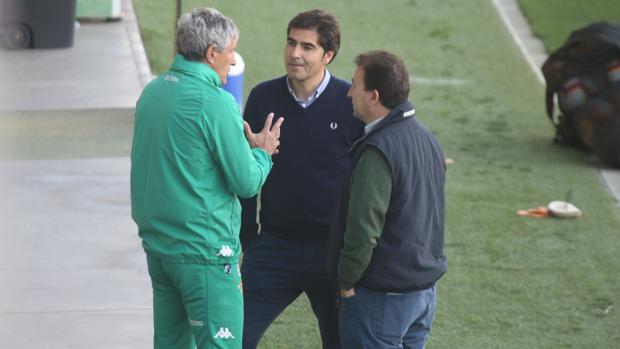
{"x": 275, "y": 272}
{"x": 386, "y": 320}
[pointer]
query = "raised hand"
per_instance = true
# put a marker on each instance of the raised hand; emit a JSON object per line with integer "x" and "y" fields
{"x": 269, "y": 137}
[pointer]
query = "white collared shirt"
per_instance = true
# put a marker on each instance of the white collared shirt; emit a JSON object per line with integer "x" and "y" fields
{"x": 372, "y": 125}
{"x": 313, "y": 96}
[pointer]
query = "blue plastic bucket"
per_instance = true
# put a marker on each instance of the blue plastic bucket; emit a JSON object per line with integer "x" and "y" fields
{"x": 234, "y": 83}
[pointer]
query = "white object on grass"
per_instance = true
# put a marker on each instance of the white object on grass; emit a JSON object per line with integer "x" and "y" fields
{"x": 563, "y": 209}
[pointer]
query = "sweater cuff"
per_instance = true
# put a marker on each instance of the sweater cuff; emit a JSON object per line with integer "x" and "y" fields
{"x": 344, "y": 285}
{"x": 343, "y": 279}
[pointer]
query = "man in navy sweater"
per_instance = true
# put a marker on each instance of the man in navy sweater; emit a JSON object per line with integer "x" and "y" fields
{"x": 286, "y": 256}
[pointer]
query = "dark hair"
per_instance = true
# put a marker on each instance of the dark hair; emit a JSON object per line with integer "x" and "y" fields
{"x": 386, "y": 73}
{"x": 325, "y": 24}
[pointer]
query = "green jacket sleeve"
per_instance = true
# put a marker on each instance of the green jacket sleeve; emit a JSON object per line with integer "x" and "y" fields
{"x": 244, "y": 169}
{"x": 370, "y": 189}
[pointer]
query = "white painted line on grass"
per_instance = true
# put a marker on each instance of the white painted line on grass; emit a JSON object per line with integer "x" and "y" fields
{"x": 502, "y": 9}
{"x": 437, "y": 81}
{"x": 611, "y": 178}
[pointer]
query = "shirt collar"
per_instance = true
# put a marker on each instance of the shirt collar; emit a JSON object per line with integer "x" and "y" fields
{"x": 372, "y": 125}
{"x": 403, "y": 111}
{"x": 313, "y": 96}
{"x": 199, "y": 69}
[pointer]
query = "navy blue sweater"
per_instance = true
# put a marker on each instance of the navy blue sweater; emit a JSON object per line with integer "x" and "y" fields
{"x": 299, "y": 197}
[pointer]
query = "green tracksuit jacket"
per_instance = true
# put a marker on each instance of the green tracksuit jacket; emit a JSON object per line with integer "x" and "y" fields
{"x": 189, "y": 162}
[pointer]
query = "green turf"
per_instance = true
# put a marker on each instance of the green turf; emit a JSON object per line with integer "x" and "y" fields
{"x": 512, "y": 282}
{"x": 554, "y": 20}
{"x": 65, "y": 134}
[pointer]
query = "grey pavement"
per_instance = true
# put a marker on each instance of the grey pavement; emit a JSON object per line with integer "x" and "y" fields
{"x": 72, "y": 270}
{"x": 73, "y": 274}
{"x": 534, "y": 53}
{"x": 106, "y": 67}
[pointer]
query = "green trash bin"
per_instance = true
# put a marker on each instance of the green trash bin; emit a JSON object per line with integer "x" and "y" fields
{"x": 37, "y": 23}
{"x": 109, "y": 10}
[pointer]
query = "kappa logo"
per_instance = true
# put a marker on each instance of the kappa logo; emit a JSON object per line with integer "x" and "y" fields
{"x": 225, "y": 251}
{"x": 224, "y": 333}
{"x": 333, "y": 125}
{"x": 171, "y": 78}
{"x": 227, "y": 268}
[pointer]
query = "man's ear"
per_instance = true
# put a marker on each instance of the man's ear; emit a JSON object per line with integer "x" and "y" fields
{"x": 210, "y": 55}
{"x": 374, "y": 97}
{"x": 327, "y": 57}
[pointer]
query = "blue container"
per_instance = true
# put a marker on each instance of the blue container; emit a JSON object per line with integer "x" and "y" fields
{"x": 234, "y": 83}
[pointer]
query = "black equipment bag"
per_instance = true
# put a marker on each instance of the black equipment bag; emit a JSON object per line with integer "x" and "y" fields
{"x": 584, "y": 74}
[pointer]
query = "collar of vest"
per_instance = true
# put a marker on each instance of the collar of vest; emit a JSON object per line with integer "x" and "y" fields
{"x": 401, "y": 112}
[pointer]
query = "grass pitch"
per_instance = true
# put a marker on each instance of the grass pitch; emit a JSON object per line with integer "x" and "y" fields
{"x": 512, "y": 282}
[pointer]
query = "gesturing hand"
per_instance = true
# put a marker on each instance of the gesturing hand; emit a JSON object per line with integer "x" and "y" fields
{"x": 268, "y": 138}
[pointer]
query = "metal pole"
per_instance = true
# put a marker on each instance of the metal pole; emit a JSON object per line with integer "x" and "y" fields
{"x": 179, "y": 4}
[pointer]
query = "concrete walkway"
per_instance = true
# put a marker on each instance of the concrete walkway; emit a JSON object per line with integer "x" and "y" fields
{"x": 73, "y": 274}
{"x": 534, "y": 52}
{"x": 106, "y": 67}
{"x": 72, "y": 271}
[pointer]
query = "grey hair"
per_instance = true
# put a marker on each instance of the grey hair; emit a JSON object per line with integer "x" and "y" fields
{"x": 202, "y": 28}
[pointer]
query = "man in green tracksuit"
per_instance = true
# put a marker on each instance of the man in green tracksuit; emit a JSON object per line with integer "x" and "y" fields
{"x": 190, "y": 161}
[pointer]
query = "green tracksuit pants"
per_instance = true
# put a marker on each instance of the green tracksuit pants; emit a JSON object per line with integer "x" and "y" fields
{"x": 197, "y": 305}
